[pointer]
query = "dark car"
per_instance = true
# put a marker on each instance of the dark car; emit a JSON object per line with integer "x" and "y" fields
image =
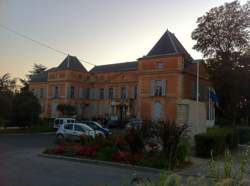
{"x": 134, "y": 123}
{"x": 114, "y": 123}
{"x": 96, "y": 126}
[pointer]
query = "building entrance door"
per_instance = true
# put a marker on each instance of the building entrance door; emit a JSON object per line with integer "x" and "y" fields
{"x": 157, "y": 111}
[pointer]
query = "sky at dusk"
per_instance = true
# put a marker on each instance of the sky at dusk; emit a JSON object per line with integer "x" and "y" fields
{"x": 98, "y": 31}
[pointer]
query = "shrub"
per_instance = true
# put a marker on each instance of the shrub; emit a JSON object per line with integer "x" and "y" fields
{"x": 170, "y": 135}
{"x": 204, "y": 143}
{"x": 59, "y": 149}
{"x": 216, "y": 140}
{"x": 121, "y": 156}
{"x": 134, "y": 140}
{"x": 244, "y": 134}
{"x": 106, "y": 153}
{"x": 183, "y": 150}
{"x": 85, "y": 150}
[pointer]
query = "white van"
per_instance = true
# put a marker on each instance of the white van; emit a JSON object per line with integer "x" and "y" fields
{"x": 59, "y": 121}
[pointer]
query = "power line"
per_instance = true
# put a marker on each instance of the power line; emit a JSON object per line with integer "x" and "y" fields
{"x": 40, "y": 43}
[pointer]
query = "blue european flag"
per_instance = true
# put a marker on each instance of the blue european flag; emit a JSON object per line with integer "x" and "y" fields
{"x": 214, "y": 97}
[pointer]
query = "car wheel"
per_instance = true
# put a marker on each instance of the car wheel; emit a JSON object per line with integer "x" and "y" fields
{"x": 100, "y": 135}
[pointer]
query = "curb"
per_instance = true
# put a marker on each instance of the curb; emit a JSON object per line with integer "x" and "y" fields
{"x": 23, "y": 134}
{"x": 99, "y": 162}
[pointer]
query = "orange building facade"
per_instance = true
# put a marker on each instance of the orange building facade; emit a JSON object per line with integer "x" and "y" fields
{"x": 158, "y": 86}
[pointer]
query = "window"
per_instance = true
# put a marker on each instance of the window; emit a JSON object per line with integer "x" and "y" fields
{"x": 72, "y": 92}
{"x": 123, "y": 93}
{"x": 87, "y": 93}
{"x": 79, "y": 128}
{"x": 102, "y": 93}
{"x": 135, "y": 92}
{"x": 111, "y": 93}
{"x": 61, "y": 122}
{"x": 158, "y": 88}
{"x": 159, "y": 65}
{"x": 56, "y": 92}
{"x": 68, "y": 126}
{"x": 41, "y": 93}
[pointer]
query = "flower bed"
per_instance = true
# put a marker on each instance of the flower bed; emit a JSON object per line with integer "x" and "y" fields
{"x": 132, "y": 148}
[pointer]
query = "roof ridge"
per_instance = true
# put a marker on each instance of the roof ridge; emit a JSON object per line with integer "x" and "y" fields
{"x": 116, "y": 63}
{"x": 171, "y": 40}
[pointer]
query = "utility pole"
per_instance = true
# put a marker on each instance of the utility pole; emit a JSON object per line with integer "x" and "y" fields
{"x": 197, "y": 95}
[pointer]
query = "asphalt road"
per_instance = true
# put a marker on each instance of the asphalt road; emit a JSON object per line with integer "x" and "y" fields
{"x": 20, "y": 165}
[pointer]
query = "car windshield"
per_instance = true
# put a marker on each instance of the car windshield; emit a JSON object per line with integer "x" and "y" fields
{"x": 97, "y": 124}
{"x": 93, "y": 126}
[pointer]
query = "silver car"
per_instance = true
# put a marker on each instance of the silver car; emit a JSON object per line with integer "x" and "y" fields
{"x": 74, "y": 131}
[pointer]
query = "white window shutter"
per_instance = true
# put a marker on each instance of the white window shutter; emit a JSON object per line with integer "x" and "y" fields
{"x": 164, "y": 87}
{"x": 91, "y": 93}
{"x": 133, "y": 92}
{"x": 80, "y": 92}
{"x": 76, "y": 92}
{"x": 96, "y": 90}
{"x": 152, "y": 87}
{"x": 126, "y": 95}
{"x": 114, "y": 93}
{"x": 106, "y": 93}
{"x": 84, "y": 93}
{"x": 53, "y": 91}
{"x": 45, "y": 93}
{"x": 68, "y": 92}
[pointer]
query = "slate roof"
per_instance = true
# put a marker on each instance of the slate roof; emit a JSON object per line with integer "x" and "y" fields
{"x": 117, "y": 67}
{"x": 168, "y": 44}
{"x": 42, "y": 77}
{"x": 72, "y": 63}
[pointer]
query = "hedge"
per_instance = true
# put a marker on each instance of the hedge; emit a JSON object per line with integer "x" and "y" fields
{"x": 244, "y": 134}
{"x": 216, "y": 140}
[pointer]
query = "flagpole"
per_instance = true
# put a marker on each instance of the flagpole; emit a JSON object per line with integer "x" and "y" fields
{"x": 197, "y": 94}
{"x": 209, "y": 105}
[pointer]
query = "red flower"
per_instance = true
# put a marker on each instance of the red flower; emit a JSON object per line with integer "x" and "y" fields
{"x": 85, "y": 150}
{"x": 121, "y": 156}
{"x": 59, "y": 149}
{"x": 120, "y": 141}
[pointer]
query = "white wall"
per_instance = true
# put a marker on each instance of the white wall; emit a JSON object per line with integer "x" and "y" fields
{"x": 196, "y": 125}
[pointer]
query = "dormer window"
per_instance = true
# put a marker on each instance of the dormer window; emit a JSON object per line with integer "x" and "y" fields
{"x": 159, "y": 65}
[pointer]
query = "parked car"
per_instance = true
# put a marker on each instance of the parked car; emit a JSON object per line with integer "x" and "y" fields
{"x": 97, "y": 127}
{"x": 74, "y": 131}
{"x": 59, "y": 121}
{"x": 114, "y": 123}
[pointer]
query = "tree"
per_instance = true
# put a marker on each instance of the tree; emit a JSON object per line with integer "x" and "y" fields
{"x": 222, "y": 35}
{"x": 66, "y": 109}
{"x": 6, "y": 99}
{"x": 223, "y": 31}
{"x": 26, "y": 109}
{"x": 37, "y": 69}
{"x": 7, "y": 83}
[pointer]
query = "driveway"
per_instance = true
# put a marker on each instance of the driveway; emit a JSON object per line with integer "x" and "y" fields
{"x": 20, "y": 166}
